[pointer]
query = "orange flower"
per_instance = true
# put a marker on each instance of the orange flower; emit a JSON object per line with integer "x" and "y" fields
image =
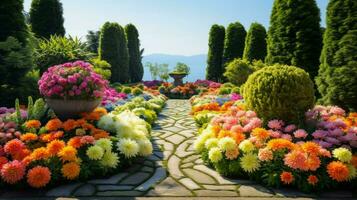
{"x": 28, "y": 137}
{"x": 14, "y": 146}
{"x": 38, "y": 176}
{"x": 88, "y": 126}
{"x": 313, "y": 162}
{"x": 98, "y": 133}
{"x": 54, "y": 125}
{"x": 75, "y": 142}
{"x": 55, "y": 146}
{"x": 354, "y": 160}
{"x": 311, "y": 148}
{"x": 80, "y": 122}
{"x": 279, "y": 143}
{"x": 337, "y": 171}
{"x": 27, "y": 160}
{"x": 70, "y": 170}
{"x": 68, "y": 153}
{"x": 51, "y": 136}
{"x": 69, "y": 125}
{"x": 238, "y": 137}
{"x": 40, "y": 153}
{"x": 286, "y": 177}
{"x": 33, "y": 124}
{"x": 224, "y": 133}
{"x": 3, "y": 161}
{"x": 312, "y": 180}
{"x": 21, "y": 154}
{"x": 260, "y": 133}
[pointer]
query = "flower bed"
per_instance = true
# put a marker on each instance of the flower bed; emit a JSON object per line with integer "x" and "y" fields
{"x": 319, "y": 154}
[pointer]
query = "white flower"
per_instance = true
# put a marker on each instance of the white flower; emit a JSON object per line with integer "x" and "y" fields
{"x": 128, "y": 147}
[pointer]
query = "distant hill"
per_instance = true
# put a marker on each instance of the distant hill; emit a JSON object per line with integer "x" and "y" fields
{"x": 197, "y": 64}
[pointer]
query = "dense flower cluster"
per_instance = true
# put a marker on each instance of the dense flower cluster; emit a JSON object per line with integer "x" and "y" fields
{"x": 75, "y": 80}
{"x": 312, "y": 156}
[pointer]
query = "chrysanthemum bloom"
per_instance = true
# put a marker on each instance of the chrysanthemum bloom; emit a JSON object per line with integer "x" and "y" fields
{"x": 55, "y": 146}
{"x": 215, "y": 155}
{"x": 145, "y": 147}
{"x": 54, "y": 125}
{"x": 246, "y": 146}
{"x": 105, "y": 143}
{"x": 232, "y": 154}
{"x": 68, "y": 153}
{"x": 313, "y": 162}
{"x": 260, "y": 133}
{"x": 227, "y": 143}
{"x": 238, "y": 136}
{"x": 199, "y": 144}
{"x": 95, "y": 152}
{"x": 311, "y": 148}
{"x": 250, "y": 162}
{"x": 265, "y": 154}
{"x": 14, "y": 146}
{"x": 98, "y": 134}
{"x": 275, "y": 124}
{"x": 128, "y": 147}
{"x": 28, "y": 137}
{"x": 279, "y": 143}
{"x": 70, "y": 170}
{"x": 33, "y": 124}
{"x": 211, "y": 142}
{"x": 38, "y": 176}
{"x": 338, "y": 171}
{"x": 286, "y": 177}
{"x": 87, "y": 139}
{"x": 26, "y": 160}
{"x": 110, "y": 159}
{"x": 40, "y": 153}
{"x": 312, "y": 180}
{"x": 296, "y": 160}
{"x": 13, "y": 171}
{"x": 342, "y": 154}
{"x": 289, "y": 128}
{"x": 325, "y": 153}
{"x": 75, "y": 142}
{"x": 300, "y": 133}
{"x": 69, "y": 125}
{"x": 3, "y": 161}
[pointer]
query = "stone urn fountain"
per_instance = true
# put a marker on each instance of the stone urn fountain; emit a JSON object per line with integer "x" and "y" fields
{"x": 177, "y": 78}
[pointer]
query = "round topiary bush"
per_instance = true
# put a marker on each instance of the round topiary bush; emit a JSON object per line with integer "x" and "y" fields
{"x": 238, "y": 71}
{"x": 137, "y": 91}
{"x": 126, "y": 90}
{"x": 279, "y": 92}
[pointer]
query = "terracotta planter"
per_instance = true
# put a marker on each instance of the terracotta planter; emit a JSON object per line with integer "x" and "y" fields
{"x": 66, "y": 109}
{"x": 177, "y": 78}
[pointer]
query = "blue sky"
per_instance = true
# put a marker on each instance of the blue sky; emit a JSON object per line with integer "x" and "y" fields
{"x": 167, "y": 26}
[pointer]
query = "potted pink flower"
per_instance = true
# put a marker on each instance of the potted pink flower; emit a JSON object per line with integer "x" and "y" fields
{"x": 72, "y": 88}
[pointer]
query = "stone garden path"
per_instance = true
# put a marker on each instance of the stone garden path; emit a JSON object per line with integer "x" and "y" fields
{"x": 174, "y": 170}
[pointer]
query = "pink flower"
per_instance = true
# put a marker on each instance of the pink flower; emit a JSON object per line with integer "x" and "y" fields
{"x": 287, "y": 137}
{"x": 275, "y": 124}
{"x": 250, "y": 114}
{"x": 237, "y": 129}
{"x": 319, "y": 134}
{"x": 337, "y": 111}
{"x": 265, "y": 154}
{"x": 290, "y": 128}
{"x": 300, "y": 133}
{"x": 274, "y": 134}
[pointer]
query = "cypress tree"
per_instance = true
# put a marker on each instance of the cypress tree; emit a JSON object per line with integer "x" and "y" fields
{"x": 294, "y": 36}
{"x": 136, "y": 70}
{"x": 234, "y": 42}
{"x": 93, "y": 41}
{"x": 113, "y": 49}
{"x": 255, "y": 43}
{"x": 337, "y": 79}
{"x": 214, "y": 70}
{"x": 46, "y": 17}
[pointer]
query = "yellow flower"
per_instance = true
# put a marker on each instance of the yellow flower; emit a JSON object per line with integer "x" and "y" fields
{"x": 95, "y": 152}
{"x": 105, "y": 143}
{"x": 145, "y": 147}
{"x": 246, "y": 146}
{"x": 250, "y": 162}
{"x": 342, "y": 154}
{"x": 215, "y": 155}
{"x": 110, "y": 159}
{"x": 227, "y": 143}
{"x": 128, "y": 147}
{"x": 68, "y": 153}
{"x": 211, "y": 143}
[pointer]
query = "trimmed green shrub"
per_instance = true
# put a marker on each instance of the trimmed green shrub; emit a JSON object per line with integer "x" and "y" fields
{"x": 255, "y": 43}
{"x": 234, "y": 42}
{"x": 101, "y": 67}
{"x": 214, "y": 70}
{"x": 228, "y": 85}
{"x": 236, "y": 90}
{"x": 224, "y": 90}
{"x": 126, "y": 90}
{"x": 46, "y": 18}
{"x": 137, "y": 91}
{"x": 136, "y": 69}
{"x": 238, "y": 70}
{"x": 141, "y": 86}
{"x": 279, "y": 92}
{"x": 58, "y": 50}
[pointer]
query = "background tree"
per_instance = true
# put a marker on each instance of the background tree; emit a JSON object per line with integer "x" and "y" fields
{"x": 136, "y": 70}
{"x": 93, "y": 41}
{"x": 113, "y": 49}
{"x": 46, "y": 17}
{"x": 337, "y": 79}
{"x": 214, "y": 70}
{"x": 15, "y": 53}
{"x": 234, "y": 42}
{"x": 164, "y": 72}
{"x": 182, "y": 68}
{"x": 255, "y": 43}
{"x": 294, "y": 36}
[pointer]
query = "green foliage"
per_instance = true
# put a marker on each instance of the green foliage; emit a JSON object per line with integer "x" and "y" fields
{"x": 58, "y": 50}
{"x": 234, "y": 42}
{"x": 224, "y": 90}
{"x": 136, "y": 69}
{"x": 126, "y": 90}
{"x": 228, "y": 85}
{"x": 279, "y": 92}
{"x": 13, "y": 21}
{"x": 181, "y": 68}
{"x": 236, "y": 90}
{"x": 255, "y": 43}
{"x": 158, "y": 70}
{"x": 294, "y": 36}
{"x": 39, "y": 110}
{"x": 337, "y": 80}
{"x": 113, "y": 48}
{"x": 93, "y": 41}
{"x": 101, "y": 67}
{"x": 238, "y": 70}
{"x": 214, "y": 68}
{"x": 137, "y": 91}
{"x": 46, "y": 18}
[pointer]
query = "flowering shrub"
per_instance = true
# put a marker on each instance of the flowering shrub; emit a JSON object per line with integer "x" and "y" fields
{"x": 236, "y": 142}
{"x": 75, "y": 80}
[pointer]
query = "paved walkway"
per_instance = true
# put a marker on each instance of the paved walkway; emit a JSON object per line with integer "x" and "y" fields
{"x": 174, "y": 170}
